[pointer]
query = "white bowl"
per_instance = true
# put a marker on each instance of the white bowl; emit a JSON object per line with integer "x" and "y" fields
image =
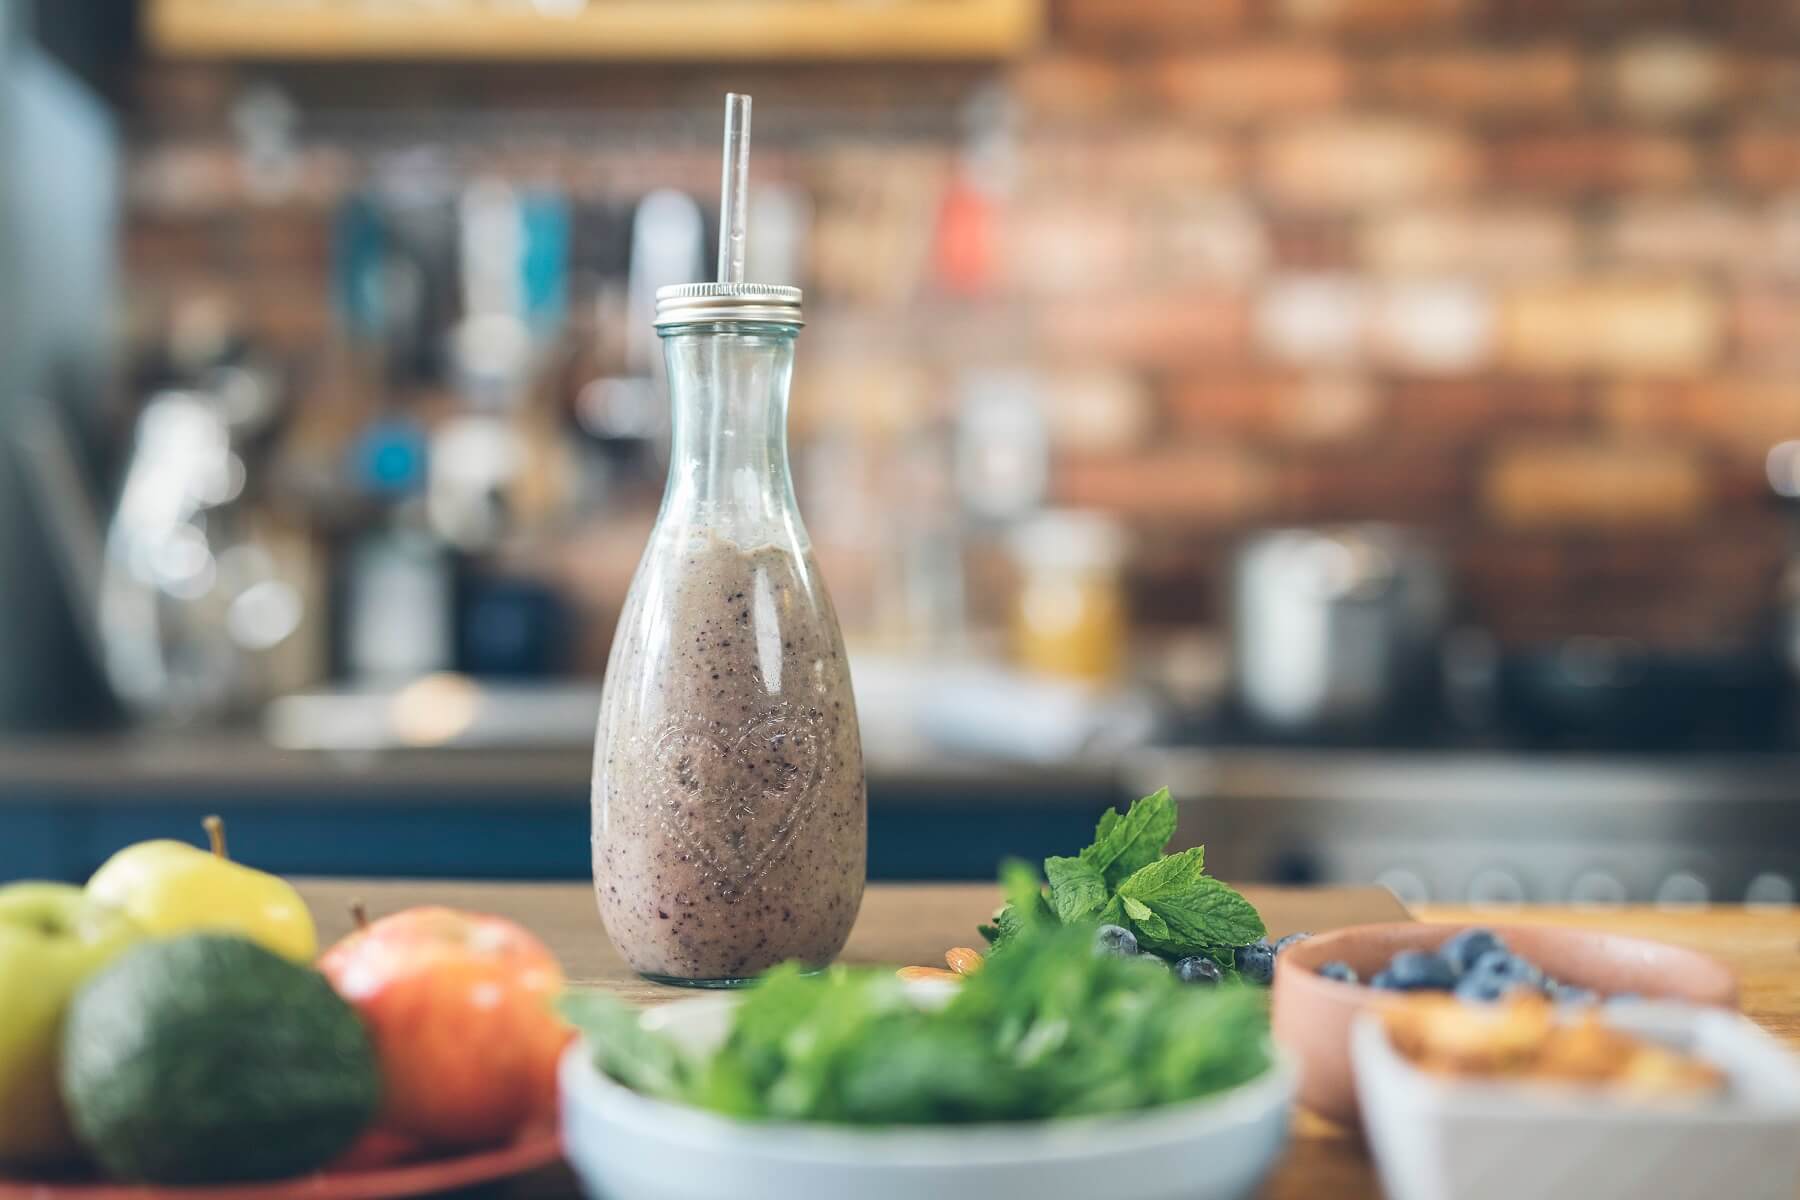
{"x": 1443, "y": 1139}
{"x": 625, "y": 1146}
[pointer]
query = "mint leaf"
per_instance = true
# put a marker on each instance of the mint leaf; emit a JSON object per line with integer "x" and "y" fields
{"x": 1077, "y": 888}
{"x": 1150, "y": 927}
{"x": 1216, "y": 912}
{"x": 1125, "y": 845}
{"x": 1201, "y": 914}
{"x": 1007, "y": 925}
{"x": 1174, "y": 873}
{"x": 1123, "y": 878}
{"x": 1108, "y": 820}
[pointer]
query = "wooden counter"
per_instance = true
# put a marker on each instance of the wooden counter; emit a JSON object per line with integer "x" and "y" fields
{"x": 914, "y": 924}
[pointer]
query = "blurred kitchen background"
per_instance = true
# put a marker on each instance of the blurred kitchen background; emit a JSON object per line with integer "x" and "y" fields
{"x": 1379, "y": 420}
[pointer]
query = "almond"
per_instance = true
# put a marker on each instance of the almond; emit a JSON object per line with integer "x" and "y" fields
{"x": 913, "y": 974}
{"x": 963, "y": 960}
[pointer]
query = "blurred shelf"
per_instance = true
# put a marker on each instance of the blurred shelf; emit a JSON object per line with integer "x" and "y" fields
{"x": 659, "y": 30}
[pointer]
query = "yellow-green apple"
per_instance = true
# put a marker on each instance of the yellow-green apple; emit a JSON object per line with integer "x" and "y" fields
{"x": 459, "y": 1007}
{"x": 170, "y": 887}
{"x": 52, "y": 937}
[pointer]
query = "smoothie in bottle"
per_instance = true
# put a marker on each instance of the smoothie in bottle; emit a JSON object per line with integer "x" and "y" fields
{"x": 729, "y": 810}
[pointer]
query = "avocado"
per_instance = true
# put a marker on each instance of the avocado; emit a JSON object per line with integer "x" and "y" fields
{"x": 207, "y": 1059}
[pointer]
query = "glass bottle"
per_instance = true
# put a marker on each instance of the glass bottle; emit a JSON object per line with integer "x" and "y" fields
{"x": 729, "y": 807}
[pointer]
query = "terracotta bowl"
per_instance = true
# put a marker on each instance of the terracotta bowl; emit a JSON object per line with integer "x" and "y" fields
{"x": 1312, "y": 1014}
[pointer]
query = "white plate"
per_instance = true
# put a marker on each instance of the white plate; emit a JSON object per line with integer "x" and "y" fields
{"x": 629, "y": 1147}
{"x": 1443, "y": 1139}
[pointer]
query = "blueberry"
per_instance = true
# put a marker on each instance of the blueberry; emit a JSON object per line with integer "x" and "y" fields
{"x": 1494, "y": 962}
{"x": 1256, "y": 962}
{"x": 1289, "y": 940}
{"x": 1340, "y": 971}
{"x": 1463, "y": 950}
{"x": 1197, "y": 968}
{"x": 1384, "y": 980}
{"x": 1495, "y": 974}
{"x": 1116, "y": 941}
{"x": 1420, "y": 971}
{"x": 1508, "y": 965}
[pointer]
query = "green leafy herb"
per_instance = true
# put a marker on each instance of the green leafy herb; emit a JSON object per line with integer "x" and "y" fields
{"x": 1048, "y": 1029}
{"x": 1024, "y": 891}
{"x": 1077, "y": 888}
{"x": 1108, "y": 820}
{"x": 1150, "y": 927}
{"x": 1026, "y": 907}
{"x": 1193, "y": 912}
{"x": 1124, "y": 845}
{"x": 1124, "y": 878}
{"x": 624, "y": 1049}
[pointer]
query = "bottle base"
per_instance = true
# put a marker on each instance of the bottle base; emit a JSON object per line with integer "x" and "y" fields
{"x": 724, "y": 984}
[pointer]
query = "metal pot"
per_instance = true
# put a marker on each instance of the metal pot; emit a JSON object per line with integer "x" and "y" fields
{"x": 1337, "y": 631}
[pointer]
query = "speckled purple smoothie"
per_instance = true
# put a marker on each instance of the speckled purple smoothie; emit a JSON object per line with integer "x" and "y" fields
{"x": 730, "y": 815}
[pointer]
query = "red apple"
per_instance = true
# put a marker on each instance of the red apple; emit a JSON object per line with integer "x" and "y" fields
{"x": 459, "y": 1008}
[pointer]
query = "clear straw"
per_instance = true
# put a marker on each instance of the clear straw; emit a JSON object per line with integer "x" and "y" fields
{"x": 734, "y": 188}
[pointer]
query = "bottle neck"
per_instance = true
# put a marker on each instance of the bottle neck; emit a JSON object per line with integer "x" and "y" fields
{"x": 728, "y": 466}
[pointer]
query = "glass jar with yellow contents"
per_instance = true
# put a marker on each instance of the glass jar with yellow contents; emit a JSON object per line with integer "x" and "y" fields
{"x": 1069, "y": 616}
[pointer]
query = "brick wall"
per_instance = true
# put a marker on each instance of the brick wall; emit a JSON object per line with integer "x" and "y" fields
{"x": 1524, "y": 272}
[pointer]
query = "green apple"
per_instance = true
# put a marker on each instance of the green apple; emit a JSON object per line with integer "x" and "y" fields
{"x": 52, "y": 937}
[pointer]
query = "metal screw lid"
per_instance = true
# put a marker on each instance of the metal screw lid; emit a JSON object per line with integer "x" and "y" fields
{"x": 695, "y": 303}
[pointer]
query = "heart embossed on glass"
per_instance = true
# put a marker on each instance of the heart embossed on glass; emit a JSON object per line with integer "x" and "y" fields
{"x": 735, "y": 800}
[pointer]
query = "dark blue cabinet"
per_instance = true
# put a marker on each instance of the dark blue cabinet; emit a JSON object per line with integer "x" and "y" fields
{"x": 959, "y": 831}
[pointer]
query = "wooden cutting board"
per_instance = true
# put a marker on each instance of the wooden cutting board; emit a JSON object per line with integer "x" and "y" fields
{"x": 899, "y": 924}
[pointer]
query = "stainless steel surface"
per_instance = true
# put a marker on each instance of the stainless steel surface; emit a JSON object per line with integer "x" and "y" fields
{"x": 1336, "y": 631}
{"x": 146, "y": 769}
{"x": 1467, "y": 826}
{"x": 438, "y": 710}
{"x": 1448, "y": 826}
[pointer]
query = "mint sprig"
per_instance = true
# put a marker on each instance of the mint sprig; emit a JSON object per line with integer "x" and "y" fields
{"x": 1124, "y": 845}
{"x": 1125, "y": 878}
